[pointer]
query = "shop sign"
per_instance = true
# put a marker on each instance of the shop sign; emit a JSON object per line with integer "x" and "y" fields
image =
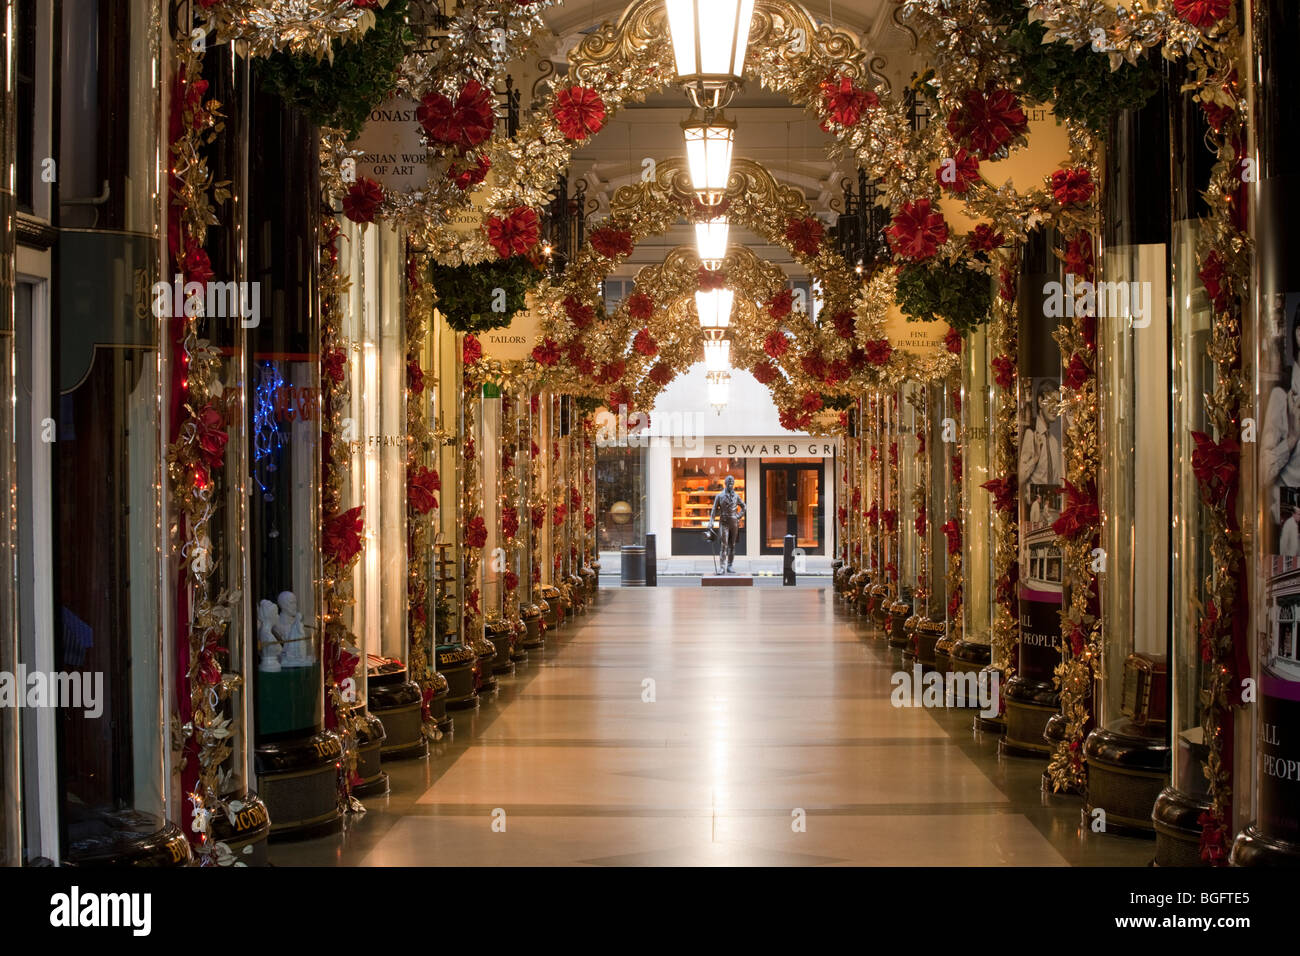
{"x": 768, "y": 447}
{"x": 515, "y": 342}
{"x": 392, "y": 154}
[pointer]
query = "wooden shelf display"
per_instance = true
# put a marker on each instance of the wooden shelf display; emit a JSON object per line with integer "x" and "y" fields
{"x": 696, "y": 481}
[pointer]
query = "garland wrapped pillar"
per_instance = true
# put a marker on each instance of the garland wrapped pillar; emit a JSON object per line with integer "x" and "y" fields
{"x": 1004, "y": 347}
{"x": 895, "y": 607}
{"x": 1272, "y": 835}
{"x": 472, "y": 524}
{"x": 514, "y": 405}
{"x": 588, "y": 512}
{"x": 429, "y": 606}
{"x": 1031, "y": 695}
{"x": 948, "y": 453}
{"x": 840, "y": 562}
{"x": 861, "y": 520}
{"x": 930, "y": 522}
{"x": 1127, "y": 753}
{"x": 878, "y": 462}
{"x": 532, "y": 519}
{"x": 906, "y": 456}
{"x": 974, "y": 523}
{"x": 575, "y": 534}
{"x": 544, "y": 509}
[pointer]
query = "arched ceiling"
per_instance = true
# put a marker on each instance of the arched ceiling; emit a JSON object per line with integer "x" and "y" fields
{"x": 786, "y": 139}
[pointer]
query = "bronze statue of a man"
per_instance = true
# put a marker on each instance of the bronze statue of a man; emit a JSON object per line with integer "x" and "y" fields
{"x": 728, "y": 508}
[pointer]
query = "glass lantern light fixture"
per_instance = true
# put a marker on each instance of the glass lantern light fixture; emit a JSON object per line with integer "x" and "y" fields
{"x": 709, "y": 142}
{"x": 711, "y": 241}
{"x": 717, "y": 356}
{"x": 714, "y": 310}
{"x": 710, "y": 39}
{"x": 719, "y": 389}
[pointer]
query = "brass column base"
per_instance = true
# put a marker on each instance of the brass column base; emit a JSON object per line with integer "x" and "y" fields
{"x": 1176, "y": 821}
{"x": 1127, "y": 770}
{"x": 1029, "y": 706}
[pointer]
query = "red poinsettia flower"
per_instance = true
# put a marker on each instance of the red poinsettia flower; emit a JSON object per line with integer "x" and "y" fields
{"x": 611, "y": 372}
{"x": 836, "y": 371}
{"x": 956, "y": 467}
{"x": 709, "y": 279}
{"x": 917, "y": 231}
{"x": 465, "y": 123}
{"x": 1215, "y": 465}
{"x": 661, "y": 374}
{"x": 1081, "y": 514}
{"x": 873, "y": 514}
{"x": 1202, "y": 14}
{"x": 952, "y": 531}
{"x": 578, "y": 312}
{"x": 509, "y": 521}
{"x": 476, "y": 532}
{"x": 776, "y": 344}
{"x": 588, "y": 519}
{"x": 811, "y": 402}
{"x": 792, "y": 420}
{"x": 879, "y": 352}
{"x": 611, "y": 243}
{"x": 1003, "y": 491}
{"x": 844, "y": 324}
{"x": 547, "y": 353}
{"x": 1078, "y": 256}
{"x": 952, "y": 341}
{"x": 516, "y": 233}
{"x": 764, "y": 372}
{"x": 805, "y": 235}
{"x": 421, "y": 485}
{"x": 537, "y": 515}
{"x": 844, "y": 102}
{"x": 1077, "y": 372}
{"x": 644, "y": 343}
{"x": 341, "y": 537}
{"x": 843, "y": 515}
{"x": 579, "y": 112}
{"x": 334, "y": 365}
{"x": 959, "y": 172}
{"x": 986, "y": 122}
{"x": 954, "y": 603}
{"x": 469, "y": 448}
{"x": 640, "y": 306}
{"x": 1214, "y": 276}
{"x": 210, "y": 435}
{"x": 511, "y": 581}
{"x": 558, "y": 516}
{"x": 983, "y": 238}
{"x": 782, "y": 304}
{"x": 1216, "y": 114}
{"x": 920, "y": 523}
{"x": 209, "y": 669}
{"x": 814, "y": 365}
{"x": 889, "y": 518}
{"x": 414, "y": 377}
{"x": 1073, "y": 186}
{"x": 466, "y": 176}
{"x": 471, "y": 350}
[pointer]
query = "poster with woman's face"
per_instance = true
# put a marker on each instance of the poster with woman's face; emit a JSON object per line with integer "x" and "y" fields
{"x": 1042, "y": 478}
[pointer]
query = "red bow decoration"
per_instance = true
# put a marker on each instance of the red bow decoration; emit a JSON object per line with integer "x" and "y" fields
{"x": 588, "y": 519}
{"x": 363, "y": 200}
{"x": 956, "y": 467}
{"x": 1202, "y": 14}
{"x": 516, "y": 233}
{"x": 210, "y": 435}
{"x": 611, "y": 243}
{"x": 1004, "y": 371}
{"x": 420, "y": 487}
{"x": 476, "y": 532}
{"x": 578, "y": 312}
{"x": 843, "y": 515}
{"x": 414, "y": 377}
{"x": 547, "y": 353}
{"x": 1077, "y": 372}
{"x": 917, "y": 231}
{"x": 1078, "y": 256}
{"x": 341, "y": 537}
{"x": 198, "y": 267}
{"x": 511, "y": 581}
{"x": 1214, "y": 839}
{"x": 509, "y": 521}
{"x": 560, "y": 513}
{"x": 1081, "y": 514}
{"x": 466, "y": 176}
{"x": 1072, "y": 186}
{"x": 844, "y": 324}
{"x": 873, "y": 515}
{"x": 987, "y": 122}
{"x": 471, "y": 350}
{"x": 463, "y": 124}
{"x": 890, "y": 518}
{"x": 537, "y": 515}
{"x": 1216, "y": 280}
{"x": 983, "y": 238}
{"x": 844, "y": 102}
{"x": 805, "y": 235}
{"x": 954, "y": 602}
{"x": 1007, "y": 285}
{"x": 879, "y": 352}
{"x": 579, "y": 111}
{"x": 952, "y": 341}
{"x": 959, "y": 172}
{"x": 811, "y": 402}
{"x": 1209, "y": 624}
{"x": 640, "y": 306}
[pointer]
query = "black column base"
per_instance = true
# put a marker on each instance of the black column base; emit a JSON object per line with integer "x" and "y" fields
{"x": 485, "y": 652}
{"x": 1127, "y": 771}
{"x": 899, "y": 612}
{"x": 124, "y": 838}
{"x": 533, "y": 637}
{"x": 1029, "y": 706}
{"x": 370, "y": 740}
{"x": 298, "y": 781}
{"x": 1255, "y": 848}
{"x": 501, "y": 634}
{"x": 1176, "y": 821}
{"x": 248, "y": 835}
{"x": 400, "y": 705}
{"x": 456, "y": 664}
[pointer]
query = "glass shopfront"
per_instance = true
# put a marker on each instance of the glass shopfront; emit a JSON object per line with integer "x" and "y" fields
{"x": 620, "y": 496}
{"x": 793, "y": 503}
{"x": 696, "y": 482}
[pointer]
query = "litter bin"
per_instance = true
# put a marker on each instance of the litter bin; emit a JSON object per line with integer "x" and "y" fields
{"x": 651, "y": 562}
{"x": 633, "y": 566}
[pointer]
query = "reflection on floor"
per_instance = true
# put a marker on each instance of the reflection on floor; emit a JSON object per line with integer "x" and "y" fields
{"x": 765, "y": 703}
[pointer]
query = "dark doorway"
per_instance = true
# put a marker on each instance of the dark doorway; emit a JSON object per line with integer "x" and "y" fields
{"x": 793, "y": 503}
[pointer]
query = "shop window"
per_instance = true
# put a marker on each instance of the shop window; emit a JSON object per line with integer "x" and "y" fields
{"x": 620, "y": 497}
{"x": 695, "y": 483}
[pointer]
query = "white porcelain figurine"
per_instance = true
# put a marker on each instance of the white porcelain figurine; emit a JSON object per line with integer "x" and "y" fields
{"x": 268, "y": 645}
{"x": 297, "y": 646}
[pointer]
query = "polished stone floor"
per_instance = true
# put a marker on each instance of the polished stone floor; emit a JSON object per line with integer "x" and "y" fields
{"x": 770, "y": 740}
